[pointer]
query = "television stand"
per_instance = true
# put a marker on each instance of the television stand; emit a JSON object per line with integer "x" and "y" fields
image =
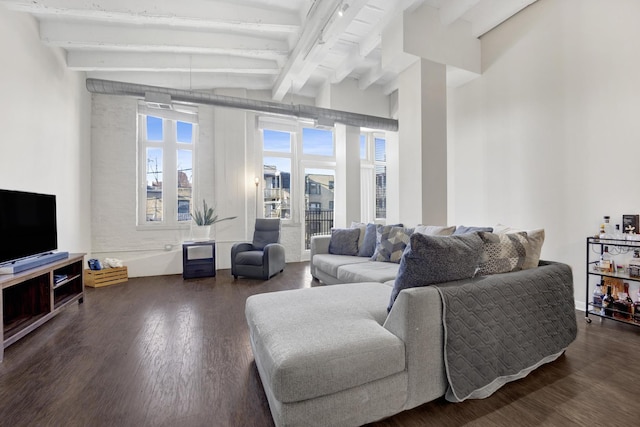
{"x": 32, "y": 262}
{"x": 33, "y": 297}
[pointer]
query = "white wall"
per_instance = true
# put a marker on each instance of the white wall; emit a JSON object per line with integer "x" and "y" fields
{"x": 229, "y": 157}
{"x": 548, "y": 136}
{"x": 114, "y": 170}
{"x": 45, "y": 112}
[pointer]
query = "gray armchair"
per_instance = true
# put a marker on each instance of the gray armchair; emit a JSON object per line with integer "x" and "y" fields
{"x": 262, "y": 258}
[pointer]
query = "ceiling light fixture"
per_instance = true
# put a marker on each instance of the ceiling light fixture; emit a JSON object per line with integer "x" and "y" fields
{"x": 343, "y": 9}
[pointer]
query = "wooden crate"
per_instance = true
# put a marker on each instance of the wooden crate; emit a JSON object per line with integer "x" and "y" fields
{"x": 105, "y": 277}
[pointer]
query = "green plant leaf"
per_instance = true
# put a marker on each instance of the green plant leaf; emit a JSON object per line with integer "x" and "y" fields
{"x": 206, "y": 215}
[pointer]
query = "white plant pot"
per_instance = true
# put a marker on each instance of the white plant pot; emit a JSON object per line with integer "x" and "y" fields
{"x": 200, "y": 233}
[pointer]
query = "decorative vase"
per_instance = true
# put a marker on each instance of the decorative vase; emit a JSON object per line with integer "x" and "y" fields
{"x": 200, "y": 233}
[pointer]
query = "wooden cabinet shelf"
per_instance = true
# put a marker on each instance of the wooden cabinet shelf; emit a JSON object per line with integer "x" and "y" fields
{"x": 32, "y": 297}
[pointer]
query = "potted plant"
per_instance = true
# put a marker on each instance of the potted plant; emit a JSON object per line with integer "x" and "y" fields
{"x": 204, "y": 218}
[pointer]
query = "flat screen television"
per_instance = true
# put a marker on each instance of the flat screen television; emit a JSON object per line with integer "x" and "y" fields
{"x": 28, "y": 225}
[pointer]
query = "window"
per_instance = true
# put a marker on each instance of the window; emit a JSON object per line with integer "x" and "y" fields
{"x": 363, "y": 147}
{"x": 276, "y": 174}
{"x": 319, "y": 199}
{"x": 167, "y": 141}
{"x": 317, "y": 142}
{"x": 380, "y": 151}
{"x": 298, "y": 174}
{"x": 373, "y": 177}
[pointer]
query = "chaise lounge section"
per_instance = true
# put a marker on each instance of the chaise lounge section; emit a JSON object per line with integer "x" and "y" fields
{"x": 334, "y": 356}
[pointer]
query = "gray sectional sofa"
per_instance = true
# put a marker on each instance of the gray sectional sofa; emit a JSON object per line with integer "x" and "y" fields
{"x": 333, "y": 355}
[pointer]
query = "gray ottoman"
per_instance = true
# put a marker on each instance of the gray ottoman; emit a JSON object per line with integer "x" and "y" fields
{"x": 324, "y": 357}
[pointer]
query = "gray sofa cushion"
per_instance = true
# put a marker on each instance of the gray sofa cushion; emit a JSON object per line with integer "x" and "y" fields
{"x": 437, "y": 259}
{"x": 370, "y": 271}
{"x": 535, "y": 238}
{"x": 502, "y": 253}
{"x": 249, "y": 258}
{"x": 317, "y": 341}
{"x": 267, "y": 231}
{"x": 344, "y": 241}
{"x": 391, "y": 241}
{"x": 329, "y": 263}
{"x": 461, "y": 229}
{"x": 435, "y": 230}
{"x": 368, "y": 246}
{"x": 363, "y": 228}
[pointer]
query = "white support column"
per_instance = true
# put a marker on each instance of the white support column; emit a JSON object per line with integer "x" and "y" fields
{"x": 393, "y": 174}
{"x": 420, "y": 154}
{"x": 347, "y": 185}
{"x": 434, "y": 143}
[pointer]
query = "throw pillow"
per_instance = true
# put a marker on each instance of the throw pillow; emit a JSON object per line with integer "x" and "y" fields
{"x": 362, "y": 227}
{"x": 535, "y": 239}
{"x": 344, "y": 241}
{"x": 502, "y": 253}
{"x": 461, "y": 229}
{"x": 435, "y": 230}
{"x": 391, "y": 242}
{"x": 437, "y": 259}
{"x": 368, "y": 246}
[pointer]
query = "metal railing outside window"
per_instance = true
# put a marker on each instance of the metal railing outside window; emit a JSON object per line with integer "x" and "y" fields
{"x": 317, "y": 222}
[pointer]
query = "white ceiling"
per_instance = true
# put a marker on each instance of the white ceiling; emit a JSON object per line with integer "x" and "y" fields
{"x": 286, "y": 46}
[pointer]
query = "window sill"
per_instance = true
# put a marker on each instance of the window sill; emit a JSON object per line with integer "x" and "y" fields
{"x": 163, "y": 227}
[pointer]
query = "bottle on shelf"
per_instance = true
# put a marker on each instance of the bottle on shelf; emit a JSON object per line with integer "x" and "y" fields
{"x": 618, "y": 234}
{"x": 606, "y": 229}
{"x": 623, "y": 306}
{"x": 597, "y": 299}
{"x": 607, "y": 264}
{"x": 607, "y": 303}
{"x": 629, "y": 302}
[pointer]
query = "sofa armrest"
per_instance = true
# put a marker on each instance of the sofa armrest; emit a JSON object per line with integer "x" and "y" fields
{"x": 273, "y": 258}
{"x": 319, "y": 245}
{"x": 237, "y": 248}
{"x": 416, "y": 318}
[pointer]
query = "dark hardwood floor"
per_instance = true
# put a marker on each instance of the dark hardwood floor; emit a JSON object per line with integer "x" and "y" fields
{"x": 160, "y": 351}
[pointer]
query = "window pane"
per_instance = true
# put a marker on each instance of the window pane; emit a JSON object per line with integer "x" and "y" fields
{"x": 363, "y": 147}
{"x": 154, "y": 129}
{"x": 381, "y": 150}
{"x": 277, "y": 141}
{"x": 276, "y": 182}
{"x": 317, "y": 142}
{"x": 154, "y": 184}
{"x": 381, "y": 191}
{"x": 318, "y": 202}
{"x": 185, "y": 184}
{"x": 185, "y": 132}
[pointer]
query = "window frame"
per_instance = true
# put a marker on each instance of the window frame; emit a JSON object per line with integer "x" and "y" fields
{"x": 170, "y": 147}
{"x": 368, "y": 166}
{"x": 299, "y": 163}
{"x": 376, "y": 163}
{"x": 279, "y": 125}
